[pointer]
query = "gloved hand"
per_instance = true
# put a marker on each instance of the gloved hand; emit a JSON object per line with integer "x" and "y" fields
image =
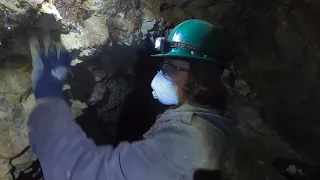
{"x": 50, "y": 68}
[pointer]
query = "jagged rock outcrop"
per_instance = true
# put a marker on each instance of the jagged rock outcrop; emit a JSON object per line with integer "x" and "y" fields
{"x": 276, "y": 50}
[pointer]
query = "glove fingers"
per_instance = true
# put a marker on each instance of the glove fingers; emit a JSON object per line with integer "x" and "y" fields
{"x": 46, "y": 43}
{"x": 59, "y": 49}
{"x": 70, "y": 57}
{"x": 50, "y": 50}
{"x": 35, "y": 52}
{"x": 64, "y": 57}
{"x": 37, "y": 63}
{"x": 52, "y": 54}
{"x": 60, "y": 71}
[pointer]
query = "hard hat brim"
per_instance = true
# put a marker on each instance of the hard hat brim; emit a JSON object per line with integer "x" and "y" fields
{"x": 178, "y": 56}
{"x": 172, "y": 55}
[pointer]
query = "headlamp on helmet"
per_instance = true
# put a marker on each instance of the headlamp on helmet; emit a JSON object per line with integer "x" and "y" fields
{"x": 161, "y": 44}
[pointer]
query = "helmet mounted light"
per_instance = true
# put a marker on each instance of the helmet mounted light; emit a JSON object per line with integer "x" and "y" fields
{"x": 161, "y": 44}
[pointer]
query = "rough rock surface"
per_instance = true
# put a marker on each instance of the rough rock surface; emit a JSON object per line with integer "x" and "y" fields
{"x": 255, "y": 145}
{"x": 14, "y": 110}
{"x": 276, "y": 49}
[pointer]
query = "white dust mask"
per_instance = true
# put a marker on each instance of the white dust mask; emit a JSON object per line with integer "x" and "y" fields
{"x": 164, "y": 90}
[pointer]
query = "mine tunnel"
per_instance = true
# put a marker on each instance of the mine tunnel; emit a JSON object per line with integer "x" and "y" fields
{"x": 273, "y": 78}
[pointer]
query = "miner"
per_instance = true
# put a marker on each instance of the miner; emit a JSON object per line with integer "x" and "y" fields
{"x": 190, "y": 137}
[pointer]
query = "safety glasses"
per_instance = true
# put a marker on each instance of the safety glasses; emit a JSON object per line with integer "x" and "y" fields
{"x": 171, "y": 70}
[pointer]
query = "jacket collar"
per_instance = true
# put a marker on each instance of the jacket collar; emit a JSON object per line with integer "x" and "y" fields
{"x": 183, "y": 113}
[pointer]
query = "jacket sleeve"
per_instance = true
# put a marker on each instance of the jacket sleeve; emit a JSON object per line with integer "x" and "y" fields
{"x": 65, "y": 152}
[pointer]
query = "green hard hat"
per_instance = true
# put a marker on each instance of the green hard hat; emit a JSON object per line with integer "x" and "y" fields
{"x": 196, "y": 40}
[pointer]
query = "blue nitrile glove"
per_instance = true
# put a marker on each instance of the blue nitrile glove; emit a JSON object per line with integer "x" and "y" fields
{"x": 50, "y": 69}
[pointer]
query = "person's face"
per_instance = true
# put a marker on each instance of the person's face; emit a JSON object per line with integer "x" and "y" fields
{"x": 179, "y": 77}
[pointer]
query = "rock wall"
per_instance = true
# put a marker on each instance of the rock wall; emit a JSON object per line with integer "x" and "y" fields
{"x": 276, "y": 50}
{"x": 281, "y": 62}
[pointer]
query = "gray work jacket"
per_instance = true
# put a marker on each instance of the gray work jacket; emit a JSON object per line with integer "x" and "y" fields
{"x": 182, "y": 141}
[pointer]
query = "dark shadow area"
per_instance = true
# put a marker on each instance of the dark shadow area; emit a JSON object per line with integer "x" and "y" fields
{"x": 293, "y": 169}
{"x": 82, "y": 83}
{"x": 202, "y": 174}
{"x": 34, "y": 172}
{"x": 92, "y": 124}
{"x": 140, "y": 109}
{"x": 131, "y": 117}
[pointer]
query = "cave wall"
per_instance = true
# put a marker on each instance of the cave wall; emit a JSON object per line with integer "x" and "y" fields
{"x": 286, "y": 73}
{"x": 276, "y": 50}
